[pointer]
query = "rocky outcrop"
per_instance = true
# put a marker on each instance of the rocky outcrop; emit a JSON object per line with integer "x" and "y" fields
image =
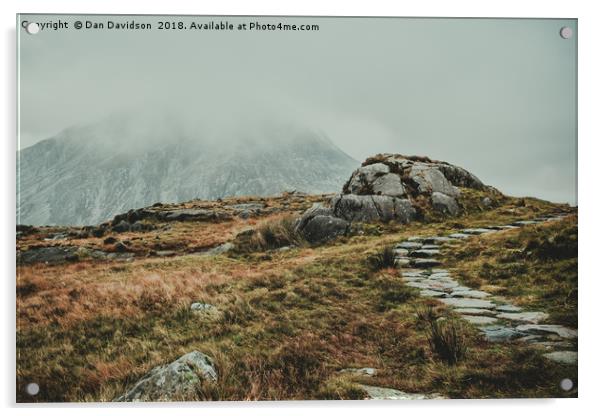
{"x": 175, "y": 381}
{"x": 389, "y": 188}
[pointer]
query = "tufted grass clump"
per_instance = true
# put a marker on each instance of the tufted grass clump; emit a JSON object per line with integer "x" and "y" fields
{"x": 447, "y": 340}
{"x": 384, "y": 259}
{"x": 271, "y": 235}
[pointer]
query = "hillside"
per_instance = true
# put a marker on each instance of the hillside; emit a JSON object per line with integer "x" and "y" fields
{"x": 252, "y": 302}
{"x": 87, "y": 174}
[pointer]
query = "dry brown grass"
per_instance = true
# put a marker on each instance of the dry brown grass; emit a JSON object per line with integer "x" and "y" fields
{"x": 289, "y": 321}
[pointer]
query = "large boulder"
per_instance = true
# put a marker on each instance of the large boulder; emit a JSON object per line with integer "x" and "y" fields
{"x": 323, "y": 228}
{"x": 371, "y": 208}
{"x": 386, "y": 188}
{"x": 175, "y": 381}
{"x": 318, "y": 224}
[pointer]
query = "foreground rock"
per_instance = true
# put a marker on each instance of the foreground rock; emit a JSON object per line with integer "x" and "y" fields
{"x": 176, "y": 381}
{"x": 318, "y": 224}
{"x": 382, "y": 393}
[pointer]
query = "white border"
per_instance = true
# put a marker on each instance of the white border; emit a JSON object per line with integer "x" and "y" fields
{"x": 589, "y": 196}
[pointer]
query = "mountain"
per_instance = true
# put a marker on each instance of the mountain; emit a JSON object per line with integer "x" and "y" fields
{"x": 87, "y": 174}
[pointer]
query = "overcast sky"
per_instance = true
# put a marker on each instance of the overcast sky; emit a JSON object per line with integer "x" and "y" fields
{"x": 496, "y": 96}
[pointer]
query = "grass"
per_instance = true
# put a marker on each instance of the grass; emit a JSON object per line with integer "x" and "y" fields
{"x": 270, "y": 235}
{"x": 384, "y": 259}
{"x": 447, "y": 341}
{"x": 536, "y": 266}
{"x": 288, "y": 321}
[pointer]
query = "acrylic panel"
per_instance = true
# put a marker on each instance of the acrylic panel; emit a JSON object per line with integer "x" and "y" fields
{"x": 295, "y": 208}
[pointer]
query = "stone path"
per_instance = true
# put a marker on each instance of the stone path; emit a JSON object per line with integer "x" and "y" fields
{"x": 498, "y": 320}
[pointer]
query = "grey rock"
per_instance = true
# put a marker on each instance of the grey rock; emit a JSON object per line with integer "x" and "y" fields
{"x": 530, "y": 317}
{"x": 361, "y": 179}
{"x": 432, "y": 293}
{"x": 203, "y": 308}
{"x": 47, "y": 255}
{"x": 476, "y": 231}
{"x": 176, "y": 380}
{"x": 563, "y": 357}
{"x": 474, "y": 311}
{"x": 460, "y": 177}
{"x": 501, "y": 333}
{"x": 382, "y": 393}
{"x": 221, "y": 249}
{"x": 437, "y": 240}
{"x": 365, "y": 371}
{"x": 430, "y": 179}
{"x": 437, "y": 285}
{"x": 402, "y": 261}
{"x": 189, "y": 215}
{"x": 431, "y": 246}
{"x": 479, "y": 320}
{"x": 121, "y": 227}
{"x": 425, "y": 263}
{"x": 525, "y": 222}
{"x": 445, "y": 204}
{"x": 373, "y": 208}
{"x": 486, "y": 201}
{"x": 315, "y": 210}
{"x": 476, "y": 294}
{"x": 388, "y": 184}
{"x": 166, "y": 253}
{"x": 508, "y": 308}
{"x": 414, "y": 273}
{"x": 437, "y": 276}
{"x": 409, "y": 245}
{"x": 423, "y": 253}
{"x": 401, "y": 252}
{"x": 460, "y": 236}
{"x": 559, "y": 330}
{"x": 468, "y": 303}
{"x": 322, "y": 228}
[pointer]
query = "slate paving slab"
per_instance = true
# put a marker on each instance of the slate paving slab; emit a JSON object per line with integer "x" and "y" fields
{"x": 530, "y": 317}
{"x": 500, "y": 333}
{"x": 428, "y": 293}
{"x": 459, "y": 235}
{"x": 425, "y": 263}
{"x": 476, "y": 231}
{"x": 475, "y": 311}
{"x": 559, "y": 330}
{"x": 508, "y": 308}
{"x": 468, "y": 303}
{"x": 479, "y": 320}
{"x": 409, "y": 245}
{"x": 424, "y": 253}
{"x": 477, "y": 294}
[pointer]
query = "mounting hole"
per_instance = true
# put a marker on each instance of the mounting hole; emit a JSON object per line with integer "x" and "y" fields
{"x": 32, "y": 28}
{"x": 566, "y": 384}
{"x": 32, "y": 389}
{"x": 566, "y": 32}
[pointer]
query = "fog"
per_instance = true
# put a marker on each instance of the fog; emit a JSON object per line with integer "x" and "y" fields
{"x": 495, "y": 96}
